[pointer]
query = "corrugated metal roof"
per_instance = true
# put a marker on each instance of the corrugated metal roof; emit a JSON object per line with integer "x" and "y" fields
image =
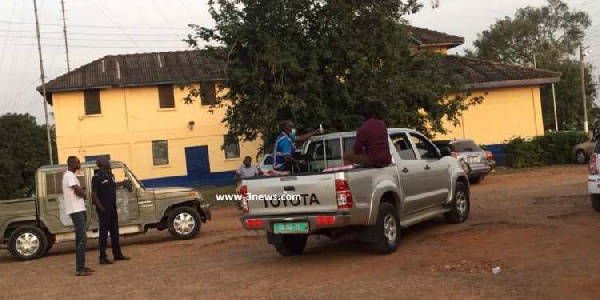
{"x": 425, "y": 37}
{"x": 140, "y": 69}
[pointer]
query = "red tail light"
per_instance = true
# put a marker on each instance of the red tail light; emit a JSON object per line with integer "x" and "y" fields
{"x": 455, "y": 154}
{"x": 593, "y": 166}
{"x": 489, "y": 155}
{"x": 244, "y": 193}
{"x": 343, "y": 194}
{"x": 325, "y": 220}
{"x": 254, "y": 223}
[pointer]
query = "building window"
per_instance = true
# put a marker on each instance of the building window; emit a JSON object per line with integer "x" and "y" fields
{"x": 208, "y": 93}
{"x": 91, "y": 102}
{"x": 232, "y": 147}
{"x": 160, "y": 153}
{"x": 94, "y": 158}
{"x": 166, "y": 96}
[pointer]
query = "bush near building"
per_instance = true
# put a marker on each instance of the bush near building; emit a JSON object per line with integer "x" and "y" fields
{"x": 550, "y": 149}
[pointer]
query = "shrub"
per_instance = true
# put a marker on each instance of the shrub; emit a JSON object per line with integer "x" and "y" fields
{"x": 550, "y": 149}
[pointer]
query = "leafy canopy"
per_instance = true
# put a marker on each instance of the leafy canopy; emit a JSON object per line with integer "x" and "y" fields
{"x": 23, "y": 150}
{"x": 552, "y": 34}
{"x": 316, "y": 61}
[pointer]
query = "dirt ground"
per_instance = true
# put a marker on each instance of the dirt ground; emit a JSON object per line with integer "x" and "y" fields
{"x": 537, "y": 226}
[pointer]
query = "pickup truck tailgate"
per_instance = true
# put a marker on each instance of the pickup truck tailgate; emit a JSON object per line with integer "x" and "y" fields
{"x": 292, "y": 194}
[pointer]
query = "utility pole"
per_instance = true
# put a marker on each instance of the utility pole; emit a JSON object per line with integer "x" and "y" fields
{"x": 62, "y": 8}
{"x": 555, "y": 115}
{"x": 37, "y": 30}
{"x": 582, "y": 73}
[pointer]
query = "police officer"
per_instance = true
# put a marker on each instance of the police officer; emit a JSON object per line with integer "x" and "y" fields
{"x": 284, "y": 146}
{"x": 104, "y": 195}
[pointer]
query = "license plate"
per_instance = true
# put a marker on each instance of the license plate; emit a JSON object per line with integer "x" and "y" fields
{"x": 473, "y": 159}
{"x": 297, "y": 227}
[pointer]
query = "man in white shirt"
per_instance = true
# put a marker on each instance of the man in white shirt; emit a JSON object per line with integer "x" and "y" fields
{"x": 74, "y": 204}
{"x": 246, "y": 170}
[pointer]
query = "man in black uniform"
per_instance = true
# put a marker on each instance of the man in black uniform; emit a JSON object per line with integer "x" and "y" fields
{"x": 104, "y": 195}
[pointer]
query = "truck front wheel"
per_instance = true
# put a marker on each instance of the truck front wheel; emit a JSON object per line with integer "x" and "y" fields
{"x": 184, "y": 223}
{"x": 460, "y": 206}
{"x": 387, "y": 229}
{"x": 28, "y": 242}
{"x": 292, "y": 245}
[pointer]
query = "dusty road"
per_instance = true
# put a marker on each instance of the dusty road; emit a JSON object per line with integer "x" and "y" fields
{"x": 538, "y": 226}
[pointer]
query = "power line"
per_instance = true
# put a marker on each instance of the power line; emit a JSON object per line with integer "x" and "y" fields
{"x": 100, "y": 40}
{"x": 95, "y": 33}
{"x": 97, "y": 26}
{"x": 107, "y": 46}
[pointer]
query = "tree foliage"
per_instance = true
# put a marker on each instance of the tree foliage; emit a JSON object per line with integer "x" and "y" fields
{"x": 23, "y": 150}
{"x": 552, "y": 34}
{"x": 316, "y": 61}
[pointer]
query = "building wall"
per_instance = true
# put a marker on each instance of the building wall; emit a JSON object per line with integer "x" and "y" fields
{"x": 503, "y": 114}
{"x": 131, "y": 119}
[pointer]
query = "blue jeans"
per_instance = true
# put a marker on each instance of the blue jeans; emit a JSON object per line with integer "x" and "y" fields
{"x": 79, "y": 221}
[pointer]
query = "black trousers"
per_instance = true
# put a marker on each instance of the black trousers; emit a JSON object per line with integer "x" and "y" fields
{"x": 109, "y": 222}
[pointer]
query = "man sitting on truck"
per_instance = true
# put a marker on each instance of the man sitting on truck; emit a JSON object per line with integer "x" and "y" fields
{"x": 372, "y": 148}
{"x": 284, "y": 146}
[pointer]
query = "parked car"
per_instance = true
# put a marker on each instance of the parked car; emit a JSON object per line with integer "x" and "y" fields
{"x": 29, "y": 227}
{"x": 594, "y": 178}
{"x": 582, "y": 152}
{"x": 331, "y": 199}
{"x": 480, "y": 162}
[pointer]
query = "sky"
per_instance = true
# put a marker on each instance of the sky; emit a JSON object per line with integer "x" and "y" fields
{"x": 107, "y": 27}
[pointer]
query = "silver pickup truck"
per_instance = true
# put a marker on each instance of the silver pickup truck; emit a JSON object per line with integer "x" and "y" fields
{"x": 325, "y": 198}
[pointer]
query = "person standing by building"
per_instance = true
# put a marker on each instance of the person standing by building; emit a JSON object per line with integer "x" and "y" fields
{"x": 104, "y": 195}
{"x": 74, "y": 204}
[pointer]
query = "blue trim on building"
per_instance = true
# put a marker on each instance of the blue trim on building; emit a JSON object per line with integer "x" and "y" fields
{"x": 214, "y": 179}
{"x": 499, "y": 151}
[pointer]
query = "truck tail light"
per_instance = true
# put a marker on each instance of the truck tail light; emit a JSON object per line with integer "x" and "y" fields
{"x": 244, "y": 193}
{"x": 325, "y": 220}
{"x": 593, "y": 166}
{"x": 254, "y": 223}
{"x": 343, "y": 194}
{"x": 489, "y": 155}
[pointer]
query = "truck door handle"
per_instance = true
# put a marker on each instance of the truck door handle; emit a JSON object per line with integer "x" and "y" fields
{"x": 52, "y": 200}
{"x": 405, "y": 170}
{"x": 289, "y": 188}
{"x": 427, "y": 167}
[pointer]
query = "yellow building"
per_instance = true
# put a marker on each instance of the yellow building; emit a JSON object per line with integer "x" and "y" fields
{"x": 130, "y": 108}
{"x": 512, "y": 103}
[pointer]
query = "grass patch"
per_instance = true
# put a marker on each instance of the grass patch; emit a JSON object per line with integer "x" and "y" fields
{"x": 209, "y": 193}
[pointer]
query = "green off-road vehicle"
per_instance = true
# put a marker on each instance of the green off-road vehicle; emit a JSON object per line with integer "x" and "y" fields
{"x": 30, "y": 226}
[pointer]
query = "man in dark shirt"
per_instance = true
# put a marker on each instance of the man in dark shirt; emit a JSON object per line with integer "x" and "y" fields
{"x": 104, "y": 195}
{"x": 372, "y": 148}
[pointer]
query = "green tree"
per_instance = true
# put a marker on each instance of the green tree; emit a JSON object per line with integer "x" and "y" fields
{"x": 23, "y": 150}
{"x": 316, "y": 61}
{"x": 550, "y": 36}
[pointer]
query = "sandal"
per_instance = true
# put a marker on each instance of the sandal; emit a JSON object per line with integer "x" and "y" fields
{"x": 83, "y": 272}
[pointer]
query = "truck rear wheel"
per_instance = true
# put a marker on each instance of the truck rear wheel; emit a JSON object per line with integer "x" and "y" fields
{"x": 292, "y": 245}
{"x": 595, "y": 201}
{"x": 28, "y": 242}
{"x": 184, "y": 223}
{"x": 387, "y": 229}
{"x": 461, "y": 205}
